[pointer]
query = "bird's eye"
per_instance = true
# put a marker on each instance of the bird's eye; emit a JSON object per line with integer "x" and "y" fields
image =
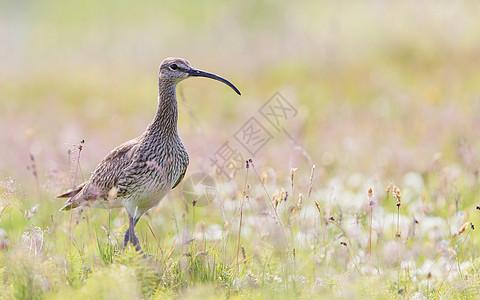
{"x": 174, "y": 67}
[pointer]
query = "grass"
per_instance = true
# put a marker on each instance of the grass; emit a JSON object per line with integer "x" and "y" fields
{"x": 370, "y": 191}
{"x": 286, "y": 248}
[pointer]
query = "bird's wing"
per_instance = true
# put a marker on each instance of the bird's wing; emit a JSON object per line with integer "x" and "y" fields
{"x": 105, "y": 176}
{"x": 184, "y": 166}
{"x": 179, "y": 179}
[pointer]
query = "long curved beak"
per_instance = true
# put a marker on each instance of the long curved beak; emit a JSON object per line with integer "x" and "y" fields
{"x": 199, "y": 73}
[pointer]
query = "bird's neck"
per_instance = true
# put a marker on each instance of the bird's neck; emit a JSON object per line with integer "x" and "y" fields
{"x": 164, "y": 124}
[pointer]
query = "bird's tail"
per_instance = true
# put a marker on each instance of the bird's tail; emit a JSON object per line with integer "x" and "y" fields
{"x": 69, "y": 205}
{"x": 72, "y": 192}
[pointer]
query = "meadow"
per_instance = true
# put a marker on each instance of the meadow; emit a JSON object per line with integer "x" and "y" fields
{"x": 363, "y": 183}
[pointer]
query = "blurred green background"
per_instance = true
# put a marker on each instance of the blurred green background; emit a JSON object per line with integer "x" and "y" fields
{"x": 383, "y": 89}
{"x": 380, "y": 86}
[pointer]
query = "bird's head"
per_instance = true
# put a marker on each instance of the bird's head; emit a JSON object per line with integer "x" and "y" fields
{"x": 177, "y": 69}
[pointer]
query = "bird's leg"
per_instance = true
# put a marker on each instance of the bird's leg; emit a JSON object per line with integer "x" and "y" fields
{"x": 126, "y": 238}
{"x": 130, "y": 234}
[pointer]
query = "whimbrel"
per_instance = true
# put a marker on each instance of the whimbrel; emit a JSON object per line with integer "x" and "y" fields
{"x": 138, "y": 173}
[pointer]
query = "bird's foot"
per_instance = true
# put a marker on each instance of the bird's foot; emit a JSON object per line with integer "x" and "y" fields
{"x": 136, "y": 244}
{"x": 134, "y": 240}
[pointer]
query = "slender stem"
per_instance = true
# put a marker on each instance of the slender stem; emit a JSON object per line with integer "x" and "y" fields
{"x": 370, "y": 233}
{"x": 241, "y": 215}
{"x": 273, "y": 206}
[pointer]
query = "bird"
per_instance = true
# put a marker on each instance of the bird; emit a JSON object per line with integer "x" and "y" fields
{"x": 138, "y": 174}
